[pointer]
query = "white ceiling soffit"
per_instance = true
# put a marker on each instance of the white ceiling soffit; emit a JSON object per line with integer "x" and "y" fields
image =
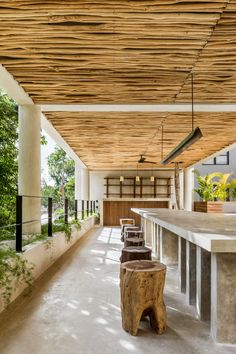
{"x": 17, "y": 93}
{"x": 175, "y": 107}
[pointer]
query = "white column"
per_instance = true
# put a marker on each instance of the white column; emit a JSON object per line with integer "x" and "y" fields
{"x": 188, "y": 188}
{"x": 29, "y": 170}
{"x": 81, "y": 185}
{"x": 77, "y": 181}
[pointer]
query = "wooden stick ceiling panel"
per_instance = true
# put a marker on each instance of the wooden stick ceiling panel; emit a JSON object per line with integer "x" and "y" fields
{"x": 115, "y": 140}
{"x": 119, "y": 51}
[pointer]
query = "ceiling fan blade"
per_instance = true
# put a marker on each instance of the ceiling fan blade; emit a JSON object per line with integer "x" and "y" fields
{"x": 154, "y": 163}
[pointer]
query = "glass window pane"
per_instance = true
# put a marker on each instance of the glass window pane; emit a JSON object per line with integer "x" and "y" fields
{"x": 209, "y": 162}
{"x": 222, "y": 160}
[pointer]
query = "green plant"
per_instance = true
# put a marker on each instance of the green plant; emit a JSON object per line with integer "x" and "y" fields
{"x": 77, "y": 224}
{"x": 222, "y": 190}
{"x": 14, "y": 270}
{"x": 206, "y": 186}
{"x": 232, "y": 189}
{"x": 59, "y": 225}
{"x": 97, "y": 218}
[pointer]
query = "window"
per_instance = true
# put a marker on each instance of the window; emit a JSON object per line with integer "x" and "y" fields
{"x": 222, "y": 159}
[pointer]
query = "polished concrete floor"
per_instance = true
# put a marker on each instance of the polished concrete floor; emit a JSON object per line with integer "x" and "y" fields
{"x": 74, "y": 309}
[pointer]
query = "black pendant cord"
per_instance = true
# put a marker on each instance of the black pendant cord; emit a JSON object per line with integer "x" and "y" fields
{"x": 192, "y": 105}
{"x": 162, "y": 142}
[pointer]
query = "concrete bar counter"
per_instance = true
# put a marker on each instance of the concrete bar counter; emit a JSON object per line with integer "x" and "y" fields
{"x": 204, "y": 247}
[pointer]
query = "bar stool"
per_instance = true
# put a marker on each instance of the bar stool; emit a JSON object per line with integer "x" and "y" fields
{"x": 127, "y": 228}
{"x": 141, "y": 289}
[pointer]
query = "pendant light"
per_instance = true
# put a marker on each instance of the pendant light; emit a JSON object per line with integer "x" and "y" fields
{"x": 137, "y": 178}
{"x": 121, "y": 176}
{"x": 190, "y": 139}
{"x": 152, "y": 178}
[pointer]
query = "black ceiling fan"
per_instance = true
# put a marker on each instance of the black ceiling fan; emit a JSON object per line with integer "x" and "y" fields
{"x": 143, "y": 160}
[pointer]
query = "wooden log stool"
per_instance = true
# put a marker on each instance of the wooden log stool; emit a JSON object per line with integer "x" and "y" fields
{"x": 134, "y": 241}
{"x": 126, "y": 228}
{"x": 141, "y": 288}
{"x": 133, "y": 253}
{"x": 134, "y": 233}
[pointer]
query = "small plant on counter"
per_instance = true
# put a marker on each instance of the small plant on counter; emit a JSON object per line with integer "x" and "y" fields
{"x": 14, "y": 270}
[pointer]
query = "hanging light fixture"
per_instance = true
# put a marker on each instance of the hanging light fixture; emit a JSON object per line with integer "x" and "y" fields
{"x": 152, "y": 178}
{"x": 121, "y": 176}
{"x": 190, "y": 139}
{"x": 137, "y": 178}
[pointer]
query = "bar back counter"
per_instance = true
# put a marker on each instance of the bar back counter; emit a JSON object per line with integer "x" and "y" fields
{"x": 204, "y": 248}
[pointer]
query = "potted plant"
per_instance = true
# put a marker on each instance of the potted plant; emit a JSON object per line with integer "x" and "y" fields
{"x": 213, "y": 190}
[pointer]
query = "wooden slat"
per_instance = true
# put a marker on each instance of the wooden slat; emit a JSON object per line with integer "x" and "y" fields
{"x": 113, "y": 211}
{"x": 115, "y": 140}
{"x": 125, "y": 51}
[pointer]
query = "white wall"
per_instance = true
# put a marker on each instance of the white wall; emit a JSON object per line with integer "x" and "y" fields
{"x": 43, "y": 254}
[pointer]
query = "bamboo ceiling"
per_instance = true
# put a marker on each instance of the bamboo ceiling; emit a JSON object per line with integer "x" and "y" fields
{"x": 124, "y": 51}
{"x": 112, "y": 140}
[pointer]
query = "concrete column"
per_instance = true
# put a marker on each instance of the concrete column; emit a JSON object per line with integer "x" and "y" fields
{"x": 191, "y": 273}
{"x": 148, "y": 233}
{"x": 81, "y": 185}
{"x": 182, "y": 264}
{"x": 203, "y": 293}
{"x": 168, "y": 247}
{"x": 155, "y": 240}
{"x": 223, "y": 300}
{"x": 188, "y": 189}
{"x": 158, "y": 232}
{"x": 29, "y": 171}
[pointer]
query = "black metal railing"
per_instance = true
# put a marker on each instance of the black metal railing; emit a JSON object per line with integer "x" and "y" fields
{"x": 80, "y": 210}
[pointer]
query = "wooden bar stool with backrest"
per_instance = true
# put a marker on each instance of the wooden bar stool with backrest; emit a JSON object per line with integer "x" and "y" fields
{"x": 126, "y": 222}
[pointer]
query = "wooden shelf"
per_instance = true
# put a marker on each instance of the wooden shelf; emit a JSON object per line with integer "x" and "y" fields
{"x": 138, "y": 187}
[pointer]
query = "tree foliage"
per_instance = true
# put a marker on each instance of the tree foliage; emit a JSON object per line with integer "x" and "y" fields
{"x": 8, "y": 157}
{"x": 61, "y": 170}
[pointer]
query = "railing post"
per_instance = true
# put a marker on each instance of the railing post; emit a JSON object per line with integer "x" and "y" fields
{"x": 66, "y": 211}
{"x": 49, "y": 217}
{"x": 82, "y": 206}
{"x": 94, "y": 207}
{"x": 91, "y": 207}
{"x": 76, "y": 209}
{"x": 87, "y": 208}
{"x": 19, "y": 201}
{"x": 82, "y": 217}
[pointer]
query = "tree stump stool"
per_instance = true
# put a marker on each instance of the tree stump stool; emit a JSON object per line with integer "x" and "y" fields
{"x": 134, "y": 233}
{"x": 134, "y": 241}
{"x": 127, "y": 228}
{"x": 133, "y": 253}
{"x": 141, "y": 289}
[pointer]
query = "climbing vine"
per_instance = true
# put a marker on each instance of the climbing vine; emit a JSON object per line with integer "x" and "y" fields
{"x": 14, "y": 270}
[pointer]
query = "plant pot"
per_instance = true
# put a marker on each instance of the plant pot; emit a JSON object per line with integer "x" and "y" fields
{"x": 208, "y": 207}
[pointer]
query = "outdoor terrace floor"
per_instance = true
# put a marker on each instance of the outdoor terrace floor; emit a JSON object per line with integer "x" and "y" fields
{"x": 74, "y": 309}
